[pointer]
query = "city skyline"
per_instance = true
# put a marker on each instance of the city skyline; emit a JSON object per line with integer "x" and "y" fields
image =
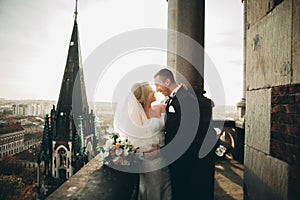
{"x": 35, "y": 36}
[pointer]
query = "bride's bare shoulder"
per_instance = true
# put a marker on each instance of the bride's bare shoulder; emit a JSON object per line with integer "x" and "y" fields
{"x": 157, "y": 110}
{"x": 159, "y": 107}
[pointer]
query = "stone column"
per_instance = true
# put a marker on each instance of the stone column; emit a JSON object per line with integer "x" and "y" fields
{"x": 172, "y": 20}
{"x": 187, "y": 17}
{"x": 190, "y": 21}
{"x": 241, "y": 106}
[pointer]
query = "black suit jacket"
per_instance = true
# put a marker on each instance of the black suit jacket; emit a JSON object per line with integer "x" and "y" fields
{"x": 182, "y": 114}
{"x": 181, "y": 127}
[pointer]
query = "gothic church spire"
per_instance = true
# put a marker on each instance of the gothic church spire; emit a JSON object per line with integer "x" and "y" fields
{"x": 72, "y": 88}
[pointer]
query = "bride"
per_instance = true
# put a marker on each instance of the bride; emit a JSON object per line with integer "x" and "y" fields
{"x": 143, "y": 125}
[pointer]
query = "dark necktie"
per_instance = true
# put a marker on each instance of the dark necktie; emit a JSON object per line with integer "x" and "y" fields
{"x": 168, "y": 99}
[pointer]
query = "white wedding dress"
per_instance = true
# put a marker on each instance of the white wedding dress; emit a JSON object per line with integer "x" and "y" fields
{"x": 131, "y": 122}
{"x": 154, "y": 185}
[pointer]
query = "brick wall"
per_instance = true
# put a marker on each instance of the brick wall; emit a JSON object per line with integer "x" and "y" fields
{"x": 285, "y": 131}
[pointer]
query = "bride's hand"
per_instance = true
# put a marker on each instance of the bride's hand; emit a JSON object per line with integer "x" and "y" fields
{"x": 155, "y": 148}
{"x": 152, "y": 153}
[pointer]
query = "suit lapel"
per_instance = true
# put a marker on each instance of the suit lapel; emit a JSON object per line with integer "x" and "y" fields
{"x": 173, "y": 104}
{"x": 173, "y": 116}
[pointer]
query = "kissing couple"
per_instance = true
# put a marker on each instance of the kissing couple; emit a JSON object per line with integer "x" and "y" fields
{"x": 161, "y": 133}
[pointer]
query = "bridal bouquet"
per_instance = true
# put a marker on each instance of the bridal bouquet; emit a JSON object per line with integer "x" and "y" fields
{"x": 117, "y": 151}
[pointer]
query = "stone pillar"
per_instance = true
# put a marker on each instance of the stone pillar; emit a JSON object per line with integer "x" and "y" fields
{"x": 172, "y": 19}
{"x": 190, "y": 21}
{"x": 187, "y": 17}
{"x": 241, "y": 106}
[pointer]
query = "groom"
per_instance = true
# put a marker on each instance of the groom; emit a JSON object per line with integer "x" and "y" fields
{"x": 181, "y": 115}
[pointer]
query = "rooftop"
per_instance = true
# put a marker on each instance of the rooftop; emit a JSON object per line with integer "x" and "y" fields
{"x": 10, "y": 128}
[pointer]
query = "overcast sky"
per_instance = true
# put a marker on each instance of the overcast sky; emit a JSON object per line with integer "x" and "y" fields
{"x": 35, "y": 35}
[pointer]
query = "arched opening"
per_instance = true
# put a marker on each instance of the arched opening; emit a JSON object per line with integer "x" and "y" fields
{"x": 61, "y": 162}
{"x": 89, "y": 150}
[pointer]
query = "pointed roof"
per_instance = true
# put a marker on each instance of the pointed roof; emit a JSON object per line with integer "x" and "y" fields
{"x": 72, "y": 97}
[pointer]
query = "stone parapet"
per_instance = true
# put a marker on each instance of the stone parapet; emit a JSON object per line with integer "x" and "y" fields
{"x": 78, "y": 185}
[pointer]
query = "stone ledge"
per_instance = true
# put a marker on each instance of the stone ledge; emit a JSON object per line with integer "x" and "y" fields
{"x": 77, "y": 184}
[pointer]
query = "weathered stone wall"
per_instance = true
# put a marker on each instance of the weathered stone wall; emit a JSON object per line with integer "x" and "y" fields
{"x": 268, "y": 59}
{"x": 272, "y": 75}
{"x": 264, "y": 176}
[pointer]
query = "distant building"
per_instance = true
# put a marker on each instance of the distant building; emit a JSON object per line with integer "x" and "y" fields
{"x": 11, "y": 139}
{"x": 23, "y": 110}
{"x": 32, "y": 109}
{"x": 33, "y": 135}
{"x": 15, "y": 109}
{"x": 14, "y": 138}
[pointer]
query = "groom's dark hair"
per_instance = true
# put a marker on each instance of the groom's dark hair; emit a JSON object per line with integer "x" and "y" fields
{"x": 164, "y": 74}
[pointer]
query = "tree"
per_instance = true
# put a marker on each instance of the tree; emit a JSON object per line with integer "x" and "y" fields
{"x": 9, "y": 185}
{"x": 7, "y": 167}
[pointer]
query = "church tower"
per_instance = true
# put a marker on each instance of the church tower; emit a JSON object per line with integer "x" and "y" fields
{"x": 70, "y": 130}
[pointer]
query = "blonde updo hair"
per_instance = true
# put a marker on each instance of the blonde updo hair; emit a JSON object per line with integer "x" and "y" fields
{"x": 141, "y": 91}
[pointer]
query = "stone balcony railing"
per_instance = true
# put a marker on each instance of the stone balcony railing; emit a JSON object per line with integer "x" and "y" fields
{"x": 95, "y": 181}
{"x": 89, "y": 182}
{"x": 82, "y": 185}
